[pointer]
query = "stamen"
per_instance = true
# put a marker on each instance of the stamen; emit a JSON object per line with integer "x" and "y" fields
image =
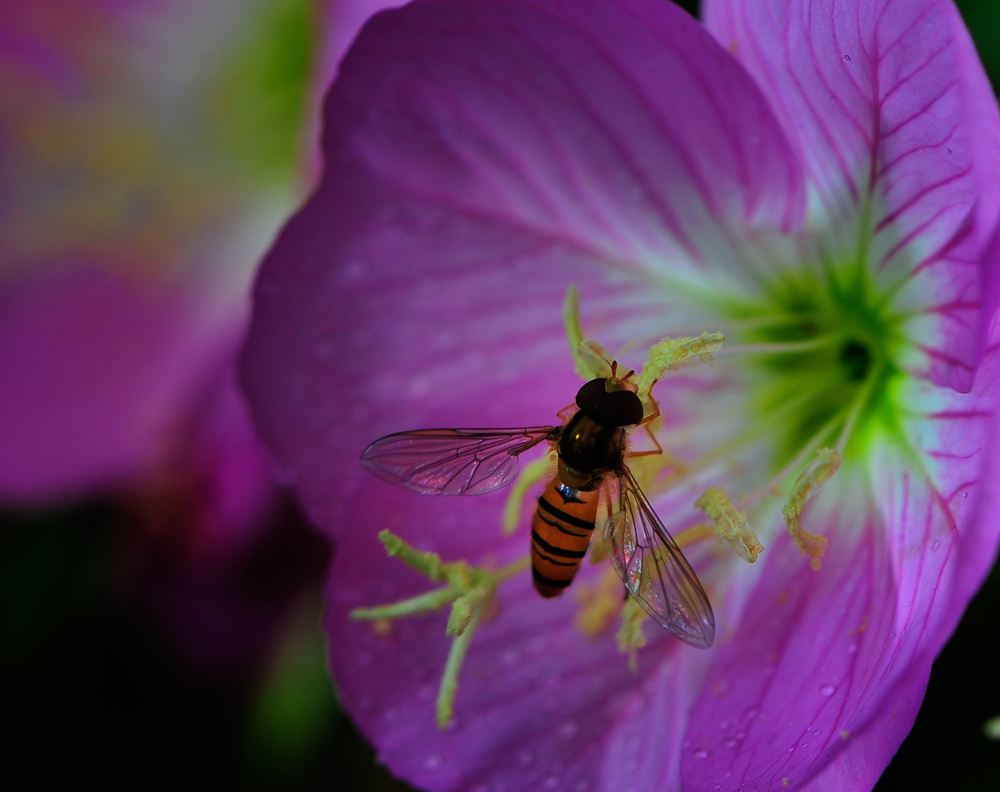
{"x": 670, "y": 354}
{"x": 773, "y": 487}
{"x": 858, "y": 405}
{"x": 598, "y": 552}
{"x": 630, "y": 637}
{"x": 696, "y": 533}
{"x": 571, "y": 322}
{"x": 469, "y": 589}
{"x": 784, "y": 347}
{"x": 731, "y": 525}
{"x": 775, "y": 317}
{"x": 599, "y": 603}
{"x": 531, "y": 474}
{"x": 758, "y": 431}
{"x": 423, "y": 603}
{"x": 589, "y": 357}
{"x": 808, "y": 483}
{"x": 445, "y": 705}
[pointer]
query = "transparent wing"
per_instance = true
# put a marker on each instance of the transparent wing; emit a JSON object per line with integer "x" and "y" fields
{"x": 453, "y": 461}
{"x": 654, "y": 569}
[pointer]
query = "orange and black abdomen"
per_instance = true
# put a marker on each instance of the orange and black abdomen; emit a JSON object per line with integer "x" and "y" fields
{"x": 560, "y": 534}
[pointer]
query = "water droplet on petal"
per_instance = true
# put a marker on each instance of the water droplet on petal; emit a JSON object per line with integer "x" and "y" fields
{"x": 701, "y": 753}
{"x": 847, "y": 59}
{"x": 827, "y": 690}
{"x": 935, "y": 544}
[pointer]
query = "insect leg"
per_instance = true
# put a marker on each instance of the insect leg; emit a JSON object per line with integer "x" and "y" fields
{"x": 567, "y": 412}
{"x": 651, "y": 451}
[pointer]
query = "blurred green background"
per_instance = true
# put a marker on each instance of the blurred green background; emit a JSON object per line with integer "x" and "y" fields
{"x": 99, "y": 693}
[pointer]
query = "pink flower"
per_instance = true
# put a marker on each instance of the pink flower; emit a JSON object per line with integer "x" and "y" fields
{"x": 149, "y": 150}
{"x": 815, "y": 180}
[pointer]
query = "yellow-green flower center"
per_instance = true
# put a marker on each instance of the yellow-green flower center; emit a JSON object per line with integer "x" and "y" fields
{"x": 825, "y": 351}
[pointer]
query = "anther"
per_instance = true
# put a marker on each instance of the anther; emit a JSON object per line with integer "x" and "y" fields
{"x": 670, "y": 354}
{"x": 631, "y": 637}
{"x": 731, "y": 525}
{"x": 808, "y": 483}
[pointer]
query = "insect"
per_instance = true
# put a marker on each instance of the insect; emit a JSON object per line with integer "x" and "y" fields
{"x": 591, "y": 448}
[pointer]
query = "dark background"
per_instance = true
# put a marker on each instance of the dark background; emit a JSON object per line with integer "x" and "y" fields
{"x": 101, "y": 686}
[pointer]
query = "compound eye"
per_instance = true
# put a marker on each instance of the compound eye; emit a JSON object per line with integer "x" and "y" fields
{"x": 621, "y": 408}
{"x": 589, "y": 397}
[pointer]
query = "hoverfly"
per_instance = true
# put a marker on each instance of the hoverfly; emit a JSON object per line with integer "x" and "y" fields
{"x": 591, "y": 447}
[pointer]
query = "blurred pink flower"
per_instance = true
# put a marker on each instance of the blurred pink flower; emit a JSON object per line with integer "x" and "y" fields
{"x": 816, "y": 180}
{"x": 148, "y": 152}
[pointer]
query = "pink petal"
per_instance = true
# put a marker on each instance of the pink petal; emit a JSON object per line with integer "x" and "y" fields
{"x": 783, "y": 687}
{"x": 888, "y": 101}
{"x": 538, "y": 705}
{"x": 941, "y": 564}
{"x": 826, "y": 669}
{"x": 482, "y": 157}
{"x": 345, "y": 18}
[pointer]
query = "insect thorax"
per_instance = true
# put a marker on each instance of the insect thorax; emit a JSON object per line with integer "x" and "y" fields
{"x": 588, "y": 449}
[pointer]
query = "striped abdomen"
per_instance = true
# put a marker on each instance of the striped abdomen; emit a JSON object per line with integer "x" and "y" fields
{"x": 560, "y": 534}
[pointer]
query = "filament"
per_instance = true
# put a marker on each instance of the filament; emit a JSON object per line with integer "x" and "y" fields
{"x": 783, "y": 347}
{"x": 858, "y": 404}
